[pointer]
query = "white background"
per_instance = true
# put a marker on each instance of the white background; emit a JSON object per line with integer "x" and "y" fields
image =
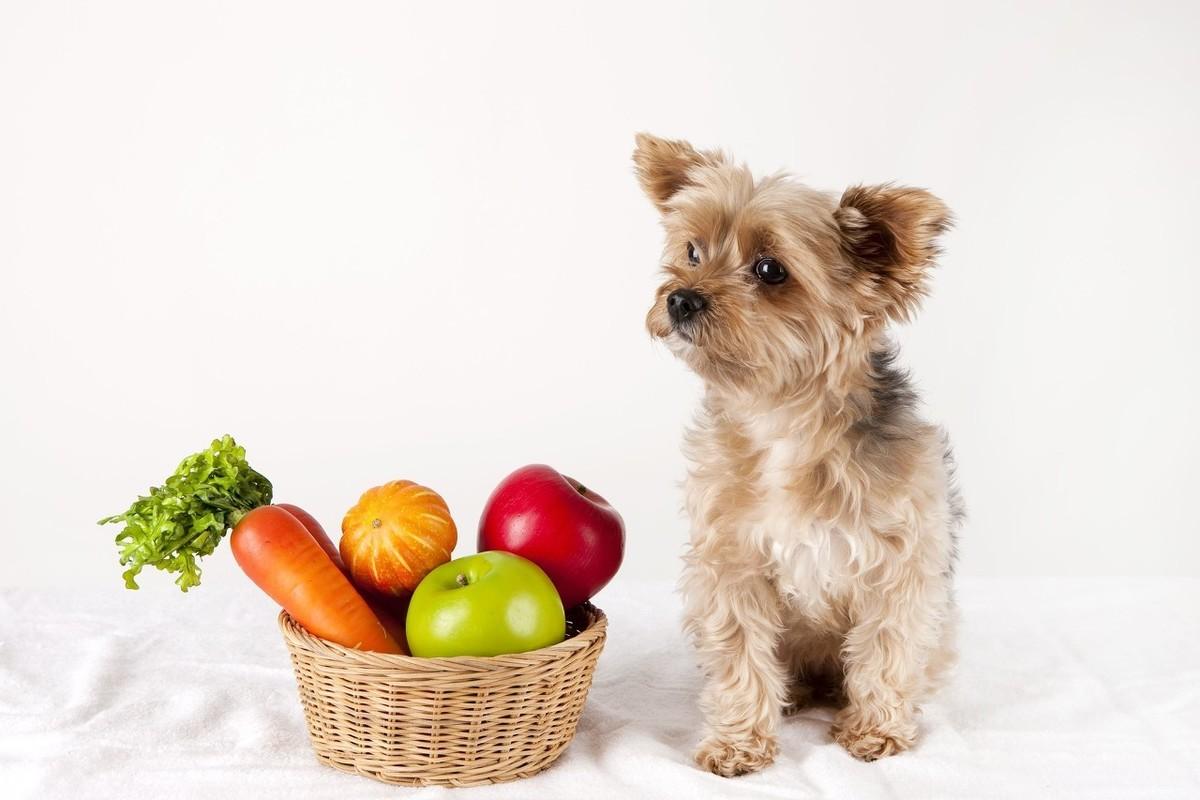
{"x": 376, "y": 241}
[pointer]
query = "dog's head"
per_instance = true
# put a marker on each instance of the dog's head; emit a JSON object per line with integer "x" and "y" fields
{"x": 768, "y": 280}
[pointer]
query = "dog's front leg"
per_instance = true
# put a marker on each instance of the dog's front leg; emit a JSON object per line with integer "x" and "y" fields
{"x": 734, "y": 619}
{"x": 895, "y": 631}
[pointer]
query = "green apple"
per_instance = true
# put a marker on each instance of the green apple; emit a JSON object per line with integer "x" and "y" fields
{"x": 487, "y": 604}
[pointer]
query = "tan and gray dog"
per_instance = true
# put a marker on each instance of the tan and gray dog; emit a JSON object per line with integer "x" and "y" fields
{"x": 823, "y": 508}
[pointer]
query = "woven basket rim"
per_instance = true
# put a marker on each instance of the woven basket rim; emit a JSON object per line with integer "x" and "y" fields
{"x": 297, "y": 636}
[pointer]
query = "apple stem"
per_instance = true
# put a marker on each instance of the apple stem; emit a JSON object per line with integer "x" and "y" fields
{"x": 581, "y": 489}
{"x": 461, "y": 579}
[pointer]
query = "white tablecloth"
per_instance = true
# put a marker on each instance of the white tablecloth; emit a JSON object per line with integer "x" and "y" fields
{"x": 1066, "y": 688}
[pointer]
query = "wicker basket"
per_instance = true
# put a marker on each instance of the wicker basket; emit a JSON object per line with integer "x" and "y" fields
{"x": 443, "y": 721}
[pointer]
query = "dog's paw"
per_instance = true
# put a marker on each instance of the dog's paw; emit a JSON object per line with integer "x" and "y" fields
{"x": 740, "y": 756}
{"x": 871, "y": 744}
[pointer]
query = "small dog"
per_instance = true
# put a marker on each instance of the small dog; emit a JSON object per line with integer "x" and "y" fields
{"x": 823, "y": 510}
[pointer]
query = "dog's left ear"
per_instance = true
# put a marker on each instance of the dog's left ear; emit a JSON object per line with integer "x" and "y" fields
{"x": 890, "y": 233}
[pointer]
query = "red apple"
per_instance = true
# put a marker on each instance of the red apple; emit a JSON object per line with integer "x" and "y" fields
{"x": 568, "y": 530}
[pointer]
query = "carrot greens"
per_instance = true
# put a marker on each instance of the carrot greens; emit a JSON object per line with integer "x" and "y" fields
{"x": 185, "y": 519}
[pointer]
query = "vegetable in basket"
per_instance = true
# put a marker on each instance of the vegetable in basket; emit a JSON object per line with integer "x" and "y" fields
{"x": 394, "y": 535}
{"x": 284, "y": 551}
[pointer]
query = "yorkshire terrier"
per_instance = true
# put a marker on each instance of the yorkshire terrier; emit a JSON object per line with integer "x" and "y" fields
{"x": 823, "y": 509}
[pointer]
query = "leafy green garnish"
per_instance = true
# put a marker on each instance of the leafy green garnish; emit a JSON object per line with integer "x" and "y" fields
{"x": 186, "y": 518}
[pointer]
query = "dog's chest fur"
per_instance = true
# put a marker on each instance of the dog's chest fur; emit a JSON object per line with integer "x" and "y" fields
{"x": 811, "y": 559}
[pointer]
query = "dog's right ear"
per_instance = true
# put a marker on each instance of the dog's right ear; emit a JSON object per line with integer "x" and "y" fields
{"x": 663, "y": 166}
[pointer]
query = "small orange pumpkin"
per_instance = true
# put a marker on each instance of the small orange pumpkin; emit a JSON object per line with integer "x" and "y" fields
{"x": 395, "y": 535}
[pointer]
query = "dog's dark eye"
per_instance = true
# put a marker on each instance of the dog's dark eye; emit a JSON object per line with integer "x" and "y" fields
{"x": 693, "y": 255}
{"x": 768, "y": 270}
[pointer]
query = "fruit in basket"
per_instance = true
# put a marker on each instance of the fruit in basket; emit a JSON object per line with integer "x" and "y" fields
{"x": 559, "y": 524}
{"x": 487, "y": 604}
{"x": 395, "y": 535}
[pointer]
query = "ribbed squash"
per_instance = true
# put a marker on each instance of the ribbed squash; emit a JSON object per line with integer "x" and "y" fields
{"x": 395, "y": 535}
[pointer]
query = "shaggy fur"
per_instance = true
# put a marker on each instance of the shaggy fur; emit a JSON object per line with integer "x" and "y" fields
{"x": 823, "y": 509}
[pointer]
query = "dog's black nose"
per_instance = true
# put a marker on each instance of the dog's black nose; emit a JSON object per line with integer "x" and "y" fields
{"x": 683, "y": 304}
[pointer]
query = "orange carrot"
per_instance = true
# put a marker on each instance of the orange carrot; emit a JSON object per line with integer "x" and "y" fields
{"x": 318, "y": 532}
{"x": 391, "y": 610}
{"x": 277, "y": 551}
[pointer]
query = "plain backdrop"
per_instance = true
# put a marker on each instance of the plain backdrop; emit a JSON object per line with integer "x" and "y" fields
{"x": 384, "y": 240}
